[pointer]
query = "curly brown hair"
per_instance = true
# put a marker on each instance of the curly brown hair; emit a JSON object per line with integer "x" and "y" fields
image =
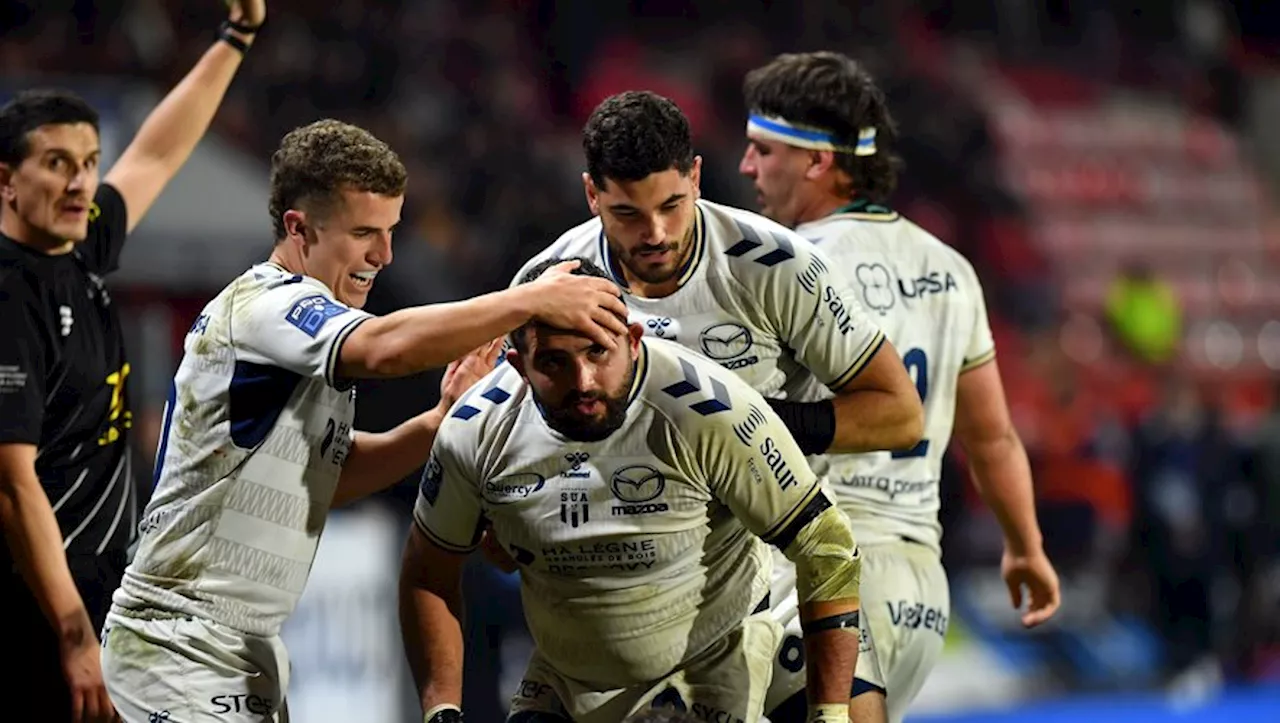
{"x": 832, "y": 91}
{"x": 317, "y": 161}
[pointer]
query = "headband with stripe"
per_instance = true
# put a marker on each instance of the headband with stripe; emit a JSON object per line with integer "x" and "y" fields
{"x": 814, "y": 139}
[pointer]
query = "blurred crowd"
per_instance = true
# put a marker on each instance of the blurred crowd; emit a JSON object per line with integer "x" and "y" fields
{"x": 1142, "y": 475}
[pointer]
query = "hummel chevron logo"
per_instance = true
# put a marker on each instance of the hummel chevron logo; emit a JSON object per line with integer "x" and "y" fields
{"x": 719, "y": 401}
{"x": 752, "y": 240}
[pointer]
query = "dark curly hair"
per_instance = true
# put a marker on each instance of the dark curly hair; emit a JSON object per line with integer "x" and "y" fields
{"x": 633, "y": 134}
{"x": 586, "y": 267}
{"x": 832, "y": 91}
{"x": 32, "y": 109}
{"x": 317, "y": 161}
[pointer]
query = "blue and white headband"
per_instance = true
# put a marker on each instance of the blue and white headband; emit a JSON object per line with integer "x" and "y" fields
{"x": 814, "y": 139}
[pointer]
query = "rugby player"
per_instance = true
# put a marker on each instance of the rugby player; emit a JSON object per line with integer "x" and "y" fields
{"x": 744, "y": 291}
{"x": 257, "y": 443}
{"x": 819, "y": 152}
{"x": 636, "y": 490}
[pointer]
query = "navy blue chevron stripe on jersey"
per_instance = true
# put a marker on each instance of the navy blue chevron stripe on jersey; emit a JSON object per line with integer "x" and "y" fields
{"x": 752, "y": 239}
{"x": 719, "y": 401}
{"x": 492, "y": 393}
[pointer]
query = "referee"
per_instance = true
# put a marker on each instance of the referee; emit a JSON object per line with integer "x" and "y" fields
{"x": 67, "y": 504}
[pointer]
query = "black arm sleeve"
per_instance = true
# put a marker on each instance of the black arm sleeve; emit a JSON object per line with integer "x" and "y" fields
{"x": 108, "y": 226}
{"x": 22, "y": 362}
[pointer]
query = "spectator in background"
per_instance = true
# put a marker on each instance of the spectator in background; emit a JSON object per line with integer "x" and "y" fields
{"x": 1182, "y": 462}
{"x": 1258, "y": 637}
{"x": 1145, "y": 314}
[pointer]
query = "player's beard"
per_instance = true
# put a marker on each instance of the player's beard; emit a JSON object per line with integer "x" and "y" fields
{"x": 654, "y": 275}
{"x": 567, "y": 421}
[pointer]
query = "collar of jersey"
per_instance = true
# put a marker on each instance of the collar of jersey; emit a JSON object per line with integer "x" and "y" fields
{"x": 690, "y": 265}
{"x": 861, "y": 207}
{"x": 642, "y": 370}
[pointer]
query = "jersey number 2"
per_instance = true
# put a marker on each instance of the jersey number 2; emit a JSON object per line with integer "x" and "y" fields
{"x": 917, "y": 364}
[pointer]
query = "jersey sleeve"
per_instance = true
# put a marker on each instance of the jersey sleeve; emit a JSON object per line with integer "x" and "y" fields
{"x": 448, "y": 509}
{"x": 295, "y": 326}
{"x": 981, "y": 347}
{"x": 754, "y": 466}
{"x": 22, "y": 363}
{"x": 108, "y": 228}
{"x": 817, "y": 314}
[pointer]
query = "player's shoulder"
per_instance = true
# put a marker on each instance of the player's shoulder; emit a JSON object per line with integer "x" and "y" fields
{"x": 689, "y": 389}
{"x": 495, "y": 397}
{"x": 751, "y": 248}
{"x": 268, "y": 286}
{"x": 898, "y": 241}
{"x": 581, "y": 240}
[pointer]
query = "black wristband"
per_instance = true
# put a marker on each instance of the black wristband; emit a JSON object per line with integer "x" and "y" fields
{"x": 241, "y": 27}
{"x": 225, "y": 35}
{"x": 446, "y": 715}
{"x": 842, "y": 621}
{"x": 813, "y": 424}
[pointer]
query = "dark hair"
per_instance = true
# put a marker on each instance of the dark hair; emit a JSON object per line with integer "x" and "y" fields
{"x": 31, "y": 109}
{"x": 586, "y": 267}
{"x": 633, "y": 134}
{"x": 831, "y": 91}
{"x": 315, "y": 162}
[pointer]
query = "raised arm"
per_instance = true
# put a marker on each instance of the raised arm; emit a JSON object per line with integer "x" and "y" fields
{"x": 169, "y": 135}
{"x": 424, "y": 337}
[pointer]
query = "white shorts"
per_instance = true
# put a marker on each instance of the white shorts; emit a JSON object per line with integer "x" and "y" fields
{"x": 907, "y": 602}
{"x": 788, "y": 666}
{"x": 726, "y": 682}
{"x": 187, "y": 670}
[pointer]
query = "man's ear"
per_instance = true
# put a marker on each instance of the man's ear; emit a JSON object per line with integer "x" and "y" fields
{"x": 295, "y": 226}
{"x": 592, "y": 193}
{"x": 513, "y": 358}
{"x": 7, "y": 191}
{"x": 819, "y": 163}
{"x": 634, "y": 333}
{"x": 695, "y": 176}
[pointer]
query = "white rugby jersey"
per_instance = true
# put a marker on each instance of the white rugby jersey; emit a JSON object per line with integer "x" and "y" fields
{"x": 754, "y": 296}
{"x": 639, "y": 550}
{"x": 255, "y": 433}
{"x": 928, "y": 300}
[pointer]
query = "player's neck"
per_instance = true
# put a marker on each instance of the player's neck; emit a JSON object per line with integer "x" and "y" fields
{"x": 12, "y": 226}
{"x": 283, "y": 257}
{"x": 820, "y": 207}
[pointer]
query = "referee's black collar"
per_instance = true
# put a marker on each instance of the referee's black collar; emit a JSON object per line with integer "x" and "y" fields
{"x": 9, "y": 243}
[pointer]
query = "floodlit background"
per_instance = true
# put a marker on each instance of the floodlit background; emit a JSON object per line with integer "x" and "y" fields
{"x": 1108, "y": 166}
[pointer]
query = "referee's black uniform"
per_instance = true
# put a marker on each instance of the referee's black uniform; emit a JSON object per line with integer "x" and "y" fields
{"x": 63, "y": 384}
